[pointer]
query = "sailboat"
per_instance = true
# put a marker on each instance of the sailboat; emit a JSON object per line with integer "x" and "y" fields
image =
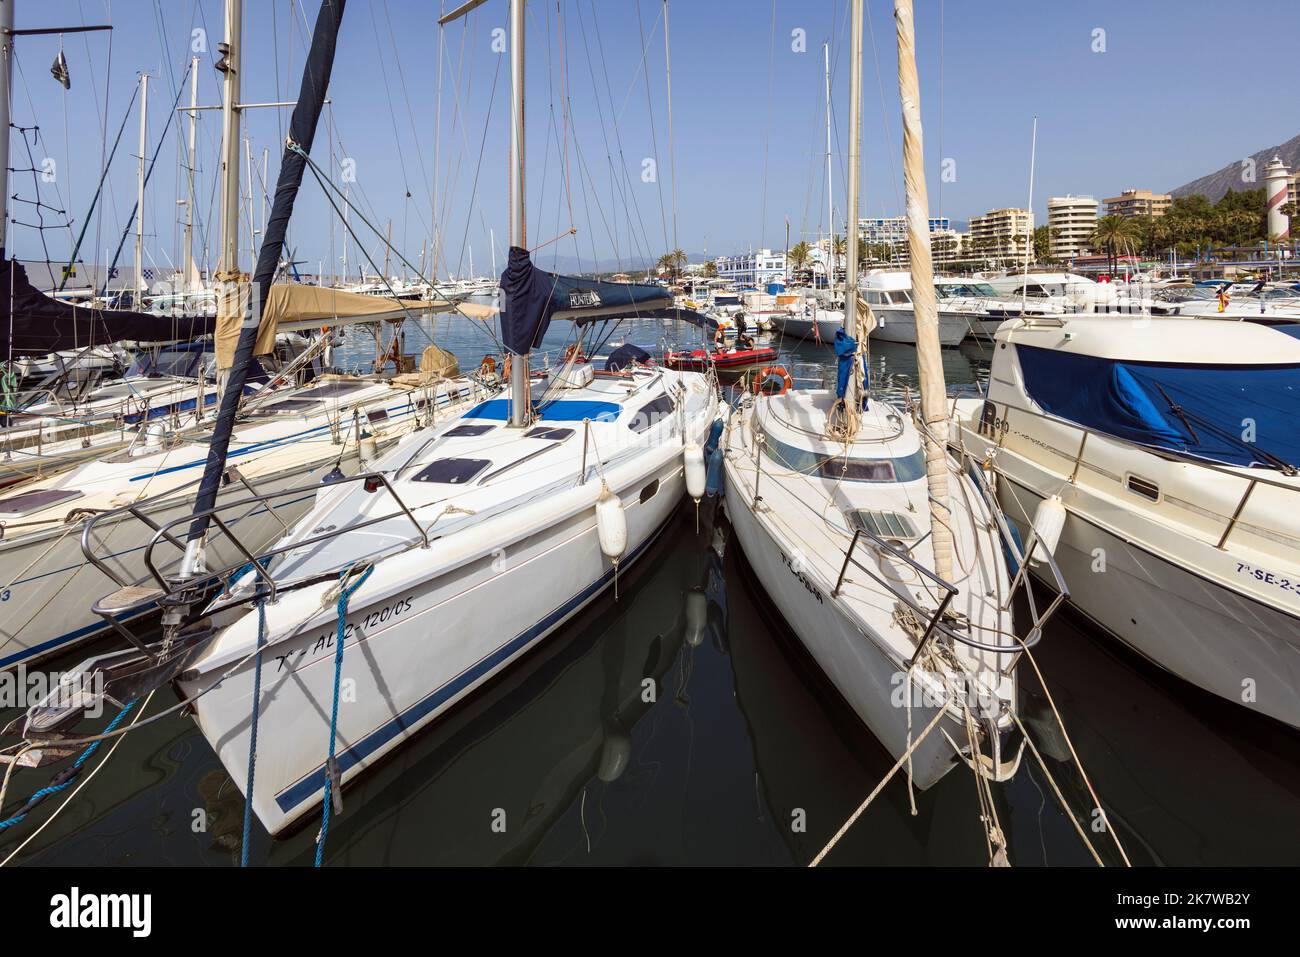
{"x": 459, "y": 550}
{"x": 884, "y": 556}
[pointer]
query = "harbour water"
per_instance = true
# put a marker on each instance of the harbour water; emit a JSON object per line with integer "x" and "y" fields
{"x": 683, "y": 724}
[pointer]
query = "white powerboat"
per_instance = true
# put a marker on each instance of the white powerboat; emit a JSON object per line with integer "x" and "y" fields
{"x": 889, "y": 295}
{"x": 1157, "y": 460}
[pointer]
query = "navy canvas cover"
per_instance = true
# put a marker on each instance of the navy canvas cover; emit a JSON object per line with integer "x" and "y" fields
{"x": 36, "y": 324}
{"x": 622, "y": 357}
{"x": 1234, "y": 414}
{"x": 533, "y": 297}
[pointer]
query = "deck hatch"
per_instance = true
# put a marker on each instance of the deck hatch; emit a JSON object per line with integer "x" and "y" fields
{"x": 330, "y": 390}
{"x": 452, "y": 471}
{"x": 882, "y": 524}
{"x": 467, "y": 431}
{"x": 25, "y": 503}
{"x": 545, "y": 432}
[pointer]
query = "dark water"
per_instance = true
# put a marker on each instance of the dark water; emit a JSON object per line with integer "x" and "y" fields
{"x": 684, "y": 724}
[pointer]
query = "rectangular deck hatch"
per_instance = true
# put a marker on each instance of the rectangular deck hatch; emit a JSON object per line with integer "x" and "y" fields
{"x": 452, "y": 471}
{"x": 883, "y": 524}
{"x": 25, "y": 503}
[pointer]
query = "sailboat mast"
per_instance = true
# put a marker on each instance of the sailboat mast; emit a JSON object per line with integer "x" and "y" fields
{"x": 228, "y": 266}
{"x": 830, "y": 195}
{"x": 6, "y": 84}
{"x": 191, "y": 278}
{"x": 518, "y": 230}
{"x": 139, "y": 197}
{"x": 928, "y": 354}
{"x": 853, "y": 397}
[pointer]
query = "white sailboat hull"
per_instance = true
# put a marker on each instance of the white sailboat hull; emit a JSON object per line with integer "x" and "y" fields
{"x": 865, "y": 676}
{"x": 416, "y": 645}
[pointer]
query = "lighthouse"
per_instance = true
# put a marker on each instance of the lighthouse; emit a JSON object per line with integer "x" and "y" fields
{"x": 1277, "y": 179}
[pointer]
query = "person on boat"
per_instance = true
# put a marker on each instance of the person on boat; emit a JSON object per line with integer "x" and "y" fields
{"x": 743, "y": 341}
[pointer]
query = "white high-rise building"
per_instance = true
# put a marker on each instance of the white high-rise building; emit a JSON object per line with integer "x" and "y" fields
{"x": 1071, "y": 221}
{"x": 1001, "y": 235}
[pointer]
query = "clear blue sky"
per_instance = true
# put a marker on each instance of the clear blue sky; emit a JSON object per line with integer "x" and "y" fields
{"x": 1181, "y": 89}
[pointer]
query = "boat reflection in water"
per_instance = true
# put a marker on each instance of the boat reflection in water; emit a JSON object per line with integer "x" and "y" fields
{"x": 815, "y": 761}
{"x": 489, "y": 780}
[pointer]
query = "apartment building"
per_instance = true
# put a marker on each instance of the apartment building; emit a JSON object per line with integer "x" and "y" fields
{"x": 1070, "y": 224}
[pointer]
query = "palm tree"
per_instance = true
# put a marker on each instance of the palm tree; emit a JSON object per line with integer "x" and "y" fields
{"x": 798, "y": 256}
{"x": 1112, "y": 234}
{"x": 710, "y": 269}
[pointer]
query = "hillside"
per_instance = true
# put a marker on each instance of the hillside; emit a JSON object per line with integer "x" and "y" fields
{"x": 1219, "y": 182}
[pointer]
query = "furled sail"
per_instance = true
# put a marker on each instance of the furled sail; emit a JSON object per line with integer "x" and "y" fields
{"x": 37, "y": 325}
{"x": 533, "y": 297}
{"x": 302, "y": 132}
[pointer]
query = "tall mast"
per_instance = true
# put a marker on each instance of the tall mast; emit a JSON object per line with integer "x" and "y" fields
{"x": 830, "y": 196}
{"x": 139, "y": 196}
{"x": 853, "y": 397}
{"x": 6, "y": 84}
{"x": 228, "y": 266}
{"x": 191, "y": 280}
{"x": 518, "y": 231}
{"x": 928, "y": 354}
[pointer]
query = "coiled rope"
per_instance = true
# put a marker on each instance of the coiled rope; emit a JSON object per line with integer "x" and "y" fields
{"x": 345, "y": 594}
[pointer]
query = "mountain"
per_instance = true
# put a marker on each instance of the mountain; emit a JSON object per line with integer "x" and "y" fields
{"x": 1216, "y": 184}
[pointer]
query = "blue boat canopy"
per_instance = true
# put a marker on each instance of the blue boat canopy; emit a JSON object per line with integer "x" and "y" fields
{"x": 533, "y": 297}
{"x": 1233, "y": 414}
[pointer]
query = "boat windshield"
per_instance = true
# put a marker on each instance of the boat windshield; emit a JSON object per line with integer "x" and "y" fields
{"x": 1234, "y": 414}
{"x": 906, "y": 468}
{"x": 976, "y": 290}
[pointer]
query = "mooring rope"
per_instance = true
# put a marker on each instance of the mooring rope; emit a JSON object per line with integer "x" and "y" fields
{"x": 904, "y": 759}
{"x": 64, "y": 778}
{"x": 345, "y": 593}
{"x": 252, "y": 732}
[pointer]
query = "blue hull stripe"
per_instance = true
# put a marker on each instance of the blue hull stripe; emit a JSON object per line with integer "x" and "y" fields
{"x": 69, "y": 637}
{"x": 313, "y": 784}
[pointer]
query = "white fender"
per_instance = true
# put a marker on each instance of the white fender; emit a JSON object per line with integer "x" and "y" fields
{"x": 696, "y": 473}
{"x": 611, "y": 525}
{"x": 1049, "y": 520}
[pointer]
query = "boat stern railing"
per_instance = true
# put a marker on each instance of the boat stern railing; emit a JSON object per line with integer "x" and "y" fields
{"x": 161, "y": 588}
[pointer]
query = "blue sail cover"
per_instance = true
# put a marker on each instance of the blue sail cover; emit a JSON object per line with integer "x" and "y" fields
{"x": 1234, "y": 414}
{"x": 533, "y": 297}
{"x": 845, "y": 349}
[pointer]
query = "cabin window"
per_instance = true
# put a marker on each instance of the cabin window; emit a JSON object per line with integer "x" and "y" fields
{"x": 452, "y": 471}
{"x": 859, "y": 470}
{"x": 652, "y": 413}
{"x": 649, "y": 491}
{"x": 377, "y": 415}
{"x": 905, "y": 468}
{"x": 1140, "y": 486}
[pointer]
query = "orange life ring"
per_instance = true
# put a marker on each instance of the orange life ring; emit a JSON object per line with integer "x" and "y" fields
{"x": 766, "y": 373}
{"x": 487, "y": 366}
